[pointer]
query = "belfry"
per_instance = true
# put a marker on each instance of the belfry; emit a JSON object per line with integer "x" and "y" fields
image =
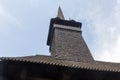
{"x": 66, "y": 41}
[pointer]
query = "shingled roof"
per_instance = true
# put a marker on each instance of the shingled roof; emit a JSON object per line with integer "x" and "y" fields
{"x": 97, "y": 65}
{"x": 88, "y": 64}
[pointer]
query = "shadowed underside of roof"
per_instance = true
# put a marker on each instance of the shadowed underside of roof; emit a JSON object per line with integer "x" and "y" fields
{"x": 100, "y": 66}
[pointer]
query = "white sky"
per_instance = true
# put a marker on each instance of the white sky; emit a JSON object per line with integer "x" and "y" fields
{"x": 24, "y": 26}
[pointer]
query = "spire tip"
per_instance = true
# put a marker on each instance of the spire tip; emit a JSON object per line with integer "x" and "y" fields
{"x": 60, "y": 13}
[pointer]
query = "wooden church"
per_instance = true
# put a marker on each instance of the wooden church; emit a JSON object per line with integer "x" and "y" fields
{"x": 70, "y": 58}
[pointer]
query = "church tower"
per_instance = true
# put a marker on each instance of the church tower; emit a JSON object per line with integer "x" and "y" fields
{"x": 66, "y": 41}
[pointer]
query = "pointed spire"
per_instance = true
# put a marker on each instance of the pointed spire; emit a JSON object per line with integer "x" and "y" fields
{"x": 60, "y": 14}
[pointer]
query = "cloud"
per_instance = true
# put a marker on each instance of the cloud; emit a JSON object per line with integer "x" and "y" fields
{"x": 106, "y": 28}
{"x": 32, "y": 2}
{"x": 7, "y": 19}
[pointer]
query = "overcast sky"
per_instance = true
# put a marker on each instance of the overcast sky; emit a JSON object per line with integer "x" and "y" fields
{"x": 24, "y": 26}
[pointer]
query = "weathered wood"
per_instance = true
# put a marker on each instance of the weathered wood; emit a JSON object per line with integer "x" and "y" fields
{"x": 23, "y": 74}
{"x": 38, "y": 78}
{"x": 3, "y": 78}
